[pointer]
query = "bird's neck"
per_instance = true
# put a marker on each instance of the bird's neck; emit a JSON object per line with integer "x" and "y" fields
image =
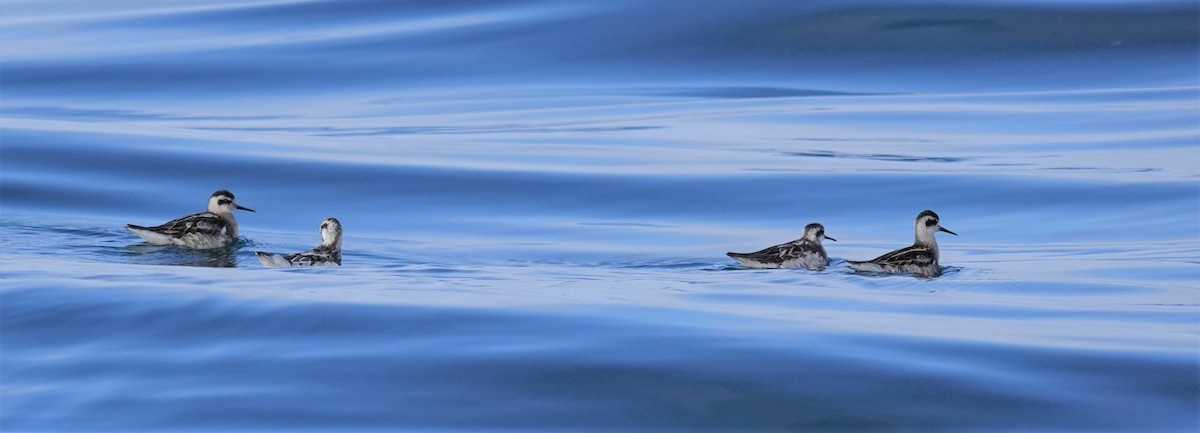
{"x": 925, "y": 238}
{"x": 330, "y": 244}
{"x": 231, "y": 223}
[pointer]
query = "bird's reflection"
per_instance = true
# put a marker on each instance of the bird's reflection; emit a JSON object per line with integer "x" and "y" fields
{"x": 176, "y": 256}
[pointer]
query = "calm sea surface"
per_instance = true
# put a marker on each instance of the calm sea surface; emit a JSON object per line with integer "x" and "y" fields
{"x": 538, "y": 196}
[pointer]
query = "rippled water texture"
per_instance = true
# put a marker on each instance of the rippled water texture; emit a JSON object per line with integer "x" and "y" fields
{"x": 538, "y": 196}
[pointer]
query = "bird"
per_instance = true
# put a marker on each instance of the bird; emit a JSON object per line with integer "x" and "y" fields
{"x": 215, "y": 228}
{"x": 921, "y": 258}
{"x": 328, "y": 252}
{"x": 805, "y": 252}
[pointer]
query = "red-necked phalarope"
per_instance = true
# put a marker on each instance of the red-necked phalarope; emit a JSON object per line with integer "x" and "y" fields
{"x": 920, "y": 259}
{"x": 213, "y": 229}
{"x": 329, "y": 252}
{"x": 805, "y": 252}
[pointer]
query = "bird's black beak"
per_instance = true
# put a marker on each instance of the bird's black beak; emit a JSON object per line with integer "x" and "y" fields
{"x": 832, "y": 239}
{"x": 943, "y": 229}
{"x": 243, "y": 207}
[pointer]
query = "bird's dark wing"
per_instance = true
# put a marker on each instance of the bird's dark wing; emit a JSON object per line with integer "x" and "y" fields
{"x": 316, "y": 256}
{"x": 914, "y": 255}
{"x": 781, "y": 252}
{"x": 205, "y": 223}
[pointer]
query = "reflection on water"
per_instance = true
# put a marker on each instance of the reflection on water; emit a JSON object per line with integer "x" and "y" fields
{"x": 541, "y": 193}
{"x": 177, "y": 256}
{"x": 876, "y": 156}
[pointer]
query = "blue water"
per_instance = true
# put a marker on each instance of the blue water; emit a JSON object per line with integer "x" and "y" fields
{"x": 538, "y": 196}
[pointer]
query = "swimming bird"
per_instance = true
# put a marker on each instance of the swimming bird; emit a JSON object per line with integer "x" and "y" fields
{"x": 920, "y": 259}
{"x": 805, "y": 252}
{"x": 213, "y": 229}
{"x": 329, "y": 252}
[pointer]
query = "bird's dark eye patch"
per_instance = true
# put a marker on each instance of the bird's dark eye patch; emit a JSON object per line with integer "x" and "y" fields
{"x": 224, "y": 201}
{"x": 930, "y": 222}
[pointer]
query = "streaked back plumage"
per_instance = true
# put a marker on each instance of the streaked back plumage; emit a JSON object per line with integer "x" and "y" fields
{"x": 921, "y": 258}
{"x": 212, "y": 229}
{"x": 806, "y": 252}
{"x": 329, "y": 252}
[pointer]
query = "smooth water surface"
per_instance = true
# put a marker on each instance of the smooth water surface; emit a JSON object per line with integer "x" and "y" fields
{"x": 538, "y": 196}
